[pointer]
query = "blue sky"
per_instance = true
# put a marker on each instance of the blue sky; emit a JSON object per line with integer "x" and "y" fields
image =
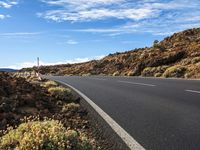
{"x": 68, "y": 31}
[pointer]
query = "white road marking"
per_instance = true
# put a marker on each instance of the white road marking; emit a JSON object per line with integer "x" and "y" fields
{"x": 126, "y": 137}
{"x": 136, "y": 83}
{"x": 193, "y": 91}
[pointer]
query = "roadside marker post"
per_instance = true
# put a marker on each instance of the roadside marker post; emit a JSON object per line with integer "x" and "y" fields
{"x": 38, "y": 68}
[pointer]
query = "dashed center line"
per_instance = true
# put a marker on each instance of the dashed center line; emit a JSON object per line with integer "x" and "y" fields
{"x": 137, "y": 83}
{"x": 193, "y": 91}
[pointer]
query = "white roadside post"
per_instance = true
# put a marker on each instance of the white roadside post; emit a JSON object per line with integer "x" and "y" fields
{"x": 38, "y": 66}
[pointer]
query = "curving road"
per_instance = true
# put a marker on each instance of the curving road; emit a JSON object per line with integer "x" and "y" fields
{"x": 160, "y": 114}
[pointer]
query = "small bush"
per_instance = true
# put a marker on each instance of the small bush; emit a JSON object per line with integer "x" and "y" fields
{"x": 116, "y": 73}
{"x": 195, "y": 60}
{"x": 149, "y": 71}
{"x": 158, "y": 75}
{"x": 87, "y": 74}
{"x": 175, "y": 71}
{"x": 46, "y": 135}
{"x": 157, "y": 45}
{"x": 60, "y": 92}
{"x": 49, "y": 84}
{"x": 130, "y": 73}
{"x": 154, "y": 71}
{"x": 70, "y": 107}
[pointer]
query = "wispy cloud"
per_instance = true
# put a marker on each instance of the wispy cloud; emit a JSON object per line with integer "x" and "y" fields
{"x": 19, "y": 34}
{"x": 84, "y": 3}
{"x": 159, "y": 17}
{"x": 8, "y": 3}
{"x": 128, "y": 28}
{"x": 96, "y": 14}
{"x": 34, "y": 63}
{"x": 87, "y": 10}
{"x": 72, "y": 42}
{"x": 3, "y": 16}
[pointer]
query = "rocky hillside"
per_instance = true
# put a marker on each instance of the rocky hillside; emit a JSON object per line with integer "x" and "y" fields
{"x": 175, "y": 56}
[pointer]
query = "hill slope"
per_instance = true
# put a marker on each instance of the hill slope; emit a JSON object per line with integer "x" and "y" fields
{"x": 175, "y": 56}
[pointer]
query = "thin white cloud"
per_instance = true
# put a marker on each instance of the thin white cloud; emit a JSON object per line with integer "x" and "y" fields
{"x": 8, "y": 4}
{"x": 2, "y": 17}
{"x": 82, "y": 4}
{"x": 153, "y": 16}
{"x": 19, "y": 35}
{"x": 131, "y": 42}
{"x": 113, "y": 31}
{"x": 34, "y": 63}
{"x": 72, "y": 42}
{"x": 97, "y": 14}
{"x": 87, "y": 10}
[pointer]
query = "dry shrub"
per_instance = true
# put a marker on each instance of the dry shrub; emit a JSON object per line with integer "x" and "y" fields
{"x": 46, "y": 135}
{"x": 193, "y": 71}
{"x": 116, "y": 73}
{"x": 175, "y": 71}
{"x": 154, "y": 71}
{"x": 195, "y": 60}
{"x": 70, "y": 107}
{"x": 60, "y": 92}
{"x": 49, "y": 84}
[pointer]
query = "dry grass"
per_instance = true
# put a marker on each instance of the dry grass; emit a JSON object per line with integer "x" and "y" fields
{"x": 175, "y": 71}
{"x": 46, "y": 135}
{"x": 60, "y": 92}
{"x": 195, "y": 60}
{"x": 49, "y": 84}
{"x": 70, "y": 107}
{"x": 116, "y": 73}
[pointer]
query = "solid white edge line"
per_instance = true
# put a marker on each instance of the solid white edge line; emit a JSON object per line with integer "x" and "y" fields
{"x": 126, "y": 137}
{"x": 136, "y": 83}
{"x": 193, "y": 91}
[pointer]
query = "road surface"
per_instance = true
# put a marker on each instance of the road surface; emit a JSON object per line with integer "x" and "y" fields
{"x": 160, "y": 114}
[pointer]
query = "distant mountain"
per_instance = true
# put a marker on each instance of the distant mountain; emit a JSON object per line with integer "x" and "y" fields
{"x": 7, "y": 70}
{"x": 175, "y": 56}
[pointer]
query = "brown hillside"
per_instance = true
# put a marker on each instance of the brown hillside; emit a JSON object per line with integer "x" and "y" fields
{"x": 175, "y": 56}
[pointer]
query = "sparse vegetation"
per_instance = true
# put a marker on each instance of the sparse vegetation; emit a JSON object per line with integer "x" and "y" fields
{"x": 49, "y": 84}
{"x": 155, "y": 43}
{"x": 116, "y": 73}
{"x": 22, "y": 98}
{"x": 60, "y": 92}
{"x": 85, "y": 75}
{"x": 195, "y": 60}
{"x": 175, "y": 71}
{"x": 46, "y": 135}
{"x": 154, "y": 71}
{"x": 70, "y": 106}
{"x": 179, "y": 49}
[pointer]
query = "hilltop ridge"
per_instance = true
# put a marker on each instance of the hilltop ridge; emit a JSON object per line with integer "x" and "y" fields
{"x": 7, "y": 70}
{"x": 175, "y": 56}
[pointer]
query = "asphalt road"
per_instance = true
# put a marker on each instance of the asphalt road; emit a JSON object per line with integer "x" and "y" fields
{"x": 160, "y": 114}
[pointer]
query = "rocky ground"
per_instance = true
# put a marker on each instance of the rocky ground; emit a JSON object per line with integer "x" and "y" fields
{"x": 176, "y": 56}
{"x": 21, "y": 98}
